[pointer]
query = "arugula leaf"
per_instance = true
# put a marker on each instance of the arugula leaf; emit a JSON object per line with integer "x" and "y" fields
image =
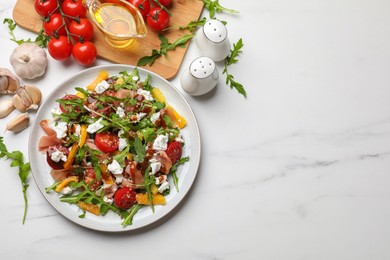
{"x": 24, "y": 170}
{"x": 165, "y": 46}
{"x": 128, "y": 220}
{"x": 173, "y": 171}
{"x": 231, "y": 59}
{"x": 41, "y": 40}
{"x": 139, "y": 149}
{"x": 120, "y": 158}
{"x": 214, "y": 7}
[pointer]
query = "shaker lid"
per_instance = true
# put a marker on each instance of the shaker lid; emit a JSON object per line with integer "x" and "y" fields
{"x": 215, "y": 31}
{"x": 202, "y": 67}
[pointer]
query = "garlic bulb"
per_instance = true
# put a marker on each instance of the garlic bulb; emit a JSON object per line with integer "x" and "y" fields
{"x": 26, "y": 98}
{"x": 29, "y": 60}
{"x": 9, "y": 83}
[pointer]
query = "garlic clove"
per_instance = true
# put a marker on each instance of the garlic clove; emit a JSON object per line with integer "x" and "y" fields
{"x": 29, "y": 60}
{"x": 19, "y": 123}
{"x": 27, "y": 98}
{"x": 6, "y": 107}
{"x": 9, "y": 83}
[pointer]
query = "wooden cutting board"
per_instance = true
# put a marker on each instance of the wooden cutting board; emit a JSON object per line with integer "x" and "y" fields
{"x": 183, "y": 11}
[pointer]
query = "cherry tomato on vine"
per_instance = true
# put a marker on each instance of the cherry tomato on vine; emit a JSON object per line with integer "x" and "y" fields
{"x": 61, "y": 48}
{"x": 107, "y": 142}
{"x": 165, "y": 2}
{"x": 174, "y": 151}
{"x": 54, "y": 25}
{"x": 83, "y": 30}
{"x": 74, "y": 8}
{"x": 158, "y": 19}
{"x": 124, "y": 198}
{"x": 45, "y": 7}
{"x": 84, "y": 53}
{"x": 142, "y": 5}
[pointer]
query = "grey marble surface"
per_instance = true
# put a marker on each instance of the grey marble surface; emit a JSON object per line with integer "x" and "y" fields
{"x": 298, "y": 170}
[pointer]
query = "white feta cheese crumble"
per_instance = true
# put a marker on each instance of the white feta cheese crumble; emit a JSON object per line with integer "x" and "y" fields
{"x": 135, "y": 78}
{"x": 120, "y": 112}
{"x": 92, "y": 128}
{"x": 60, "y": 128}
{"x": 102, "y": 86}
{"x": 56, "y": 112}
{"x": 66, "y": 190}
{"x": 164, "y": 185}
{"x": 146, "y": 94}
{"x": 160, "y": 143}
{"x": 122, "y": 141}
{"x": 179, "y": 139}
{"x": 155, "y": 166}
{"x": 160, "y": 179}
{"x": 155, "y": 117}
{"x": 56, "y": 156}
{"x": 118, "y": 178}
{"x": 122, "y": 144}
{"x": 140, "y": 116}
{"x": 115, "y": 168}
{"x": 108, "y": 200}
{"x": 77, "y": 130}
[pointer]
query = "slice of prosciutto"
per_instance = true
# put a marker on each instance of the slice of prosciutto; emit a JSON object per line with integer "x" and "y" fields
{"x": 48, "y": 140}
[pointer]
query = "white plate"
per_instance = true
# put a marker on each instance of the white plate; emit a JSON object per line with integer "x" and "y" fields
{"x": 111, "y": 221}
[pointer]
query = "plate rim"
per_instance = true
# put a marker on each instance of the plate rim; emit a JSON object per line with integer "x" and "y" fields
{"x": 120, "y": 67}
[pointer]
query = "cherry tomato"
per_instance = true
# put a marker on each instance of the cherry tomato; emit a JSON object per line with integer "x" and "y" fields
{"x": 60, "y": 49}
{"x": 174, "y": 151}
{"x": 84, "y": 53}
{"x": 54, "y": 25}
{"x": 165, "y": 2}
{"x": 74, "y": 8}
{"x": 124, "y": 198}
{"x": 45, "y": 7}
{"x": 142, "y": 5}
{"x": 90, "y": 176}
{"x": 107, "y": 142}
{"x": 158, "y": 19}
{"x": 56, "y": 165}
{"x": 67, "y": 108}
{"x": 83, "y": 30}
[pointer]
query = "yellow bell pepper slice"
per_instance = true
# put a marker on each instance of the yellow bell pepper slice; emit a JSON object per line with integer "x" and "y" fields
{"x": 157, "y": 199}
{"x": 71, "y": 157}
{"x": 172, "y": 113}
{"x": 176, "y": 117}
{"x": 105, "y": 174}
{"x": 103, "y": 75}
{"x": 158, "y": 95}
{"x": 153, "y": 189}
{"x": 80, "y": 95}
{"x": 83, "y": 135}
{"x": 92, "y": 208}
{"x": 65, "y": 183}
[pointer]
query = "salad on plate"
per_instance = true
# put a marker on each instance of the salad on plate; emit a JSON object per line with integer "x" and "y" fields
{"x": 113, "y": 145}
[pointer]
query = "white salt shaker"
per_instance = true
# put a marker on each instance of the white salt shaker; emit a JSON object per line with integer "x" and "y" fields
{"x": 212, "y": 40}
{"x": 201, "y": 77}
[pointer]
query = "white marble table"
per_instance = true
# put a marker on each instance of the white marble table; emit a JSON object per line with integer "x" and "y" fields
{"x": 299, "y": 170}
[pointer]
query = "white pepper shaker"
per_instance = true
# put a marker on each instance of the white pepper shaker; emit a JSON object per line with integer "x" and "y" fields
{"x": 212, "y": 40}
{"x": 201, "y": 77}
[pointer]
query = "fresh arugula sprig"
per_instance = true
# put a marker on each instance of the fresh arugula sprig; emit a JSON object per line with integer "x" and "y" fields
{"x": 214, "y": 7}
{"x": 165, "y": 46}
{"x": 173, "y": 171}
{"x": 231, "y": 59}
{"x": 41, "y": 40}
{"x": 24, "y": 170}
{"x": 89, "y": 196}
